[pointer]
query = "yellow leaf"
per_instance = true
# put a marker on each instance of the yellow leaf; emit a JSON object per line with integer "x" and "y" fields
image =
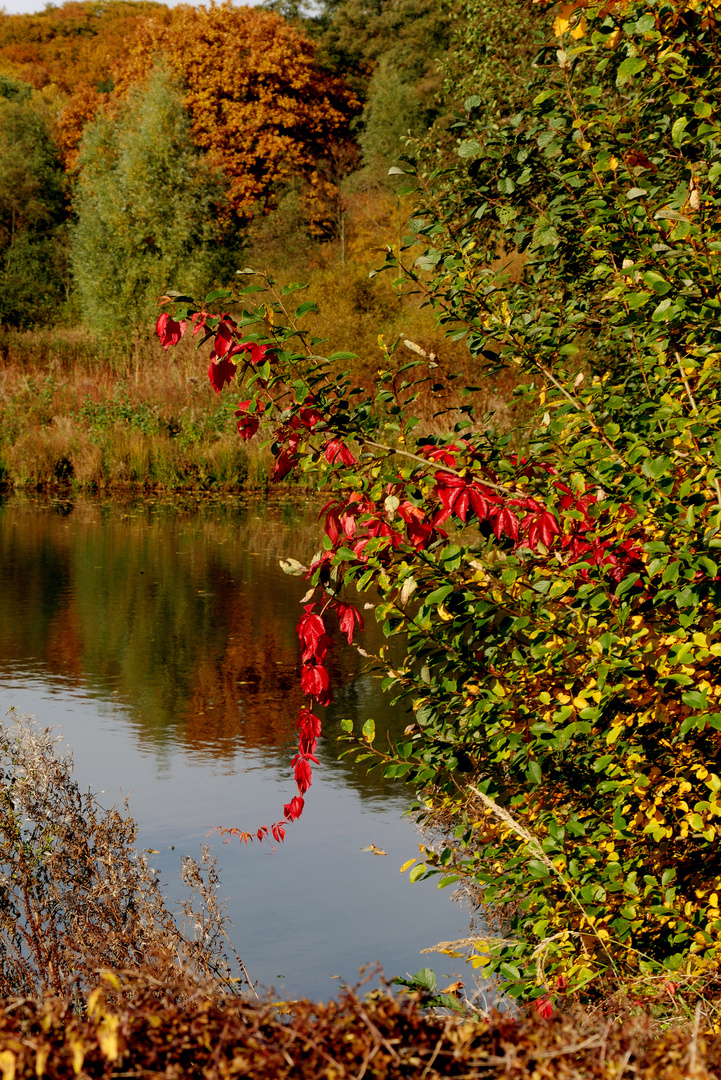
{"x": 406, "y": 864}
{"x": 7, "y": 1064}
{"x": 480, "y": 961}
{"x": 78, "y": 1049}
{"x": 41, "y": 1059}
{"x": 108, "y": 1037}
{"x": 93, "y": 1003}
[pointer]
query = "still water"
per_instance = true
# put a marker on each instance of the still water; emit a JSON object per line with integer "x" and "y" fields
{"x": 159, "y": 640}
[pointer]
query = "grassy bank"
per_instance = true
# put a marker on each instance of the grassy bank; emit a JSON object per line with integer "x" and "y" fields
{"x": 76, "y": 411}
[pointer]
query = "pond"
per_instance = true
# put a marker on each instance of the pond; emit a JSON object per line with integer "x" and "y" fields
{"x": 159, "y": 639}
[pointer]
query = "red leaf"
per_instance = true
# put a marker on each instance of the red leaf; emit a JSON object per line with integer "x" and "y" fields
{"x": 248, "y": 425}
{"x": 544, "y": 1007}
{"x": 278, "y": 832}
{"x": 315, "y": 682}
{"x": 168, "y": 330}
{"x": 284, "y": 463}
{"x": 303, "y": 773}
{"x": 506, "y": 522}
{"x": 336, "y": 450}
{"x": 294, "y": 808}
{"x": 224, "y": 335}
{"x": 348, "y": 616}
{"x": 220, "y": 373}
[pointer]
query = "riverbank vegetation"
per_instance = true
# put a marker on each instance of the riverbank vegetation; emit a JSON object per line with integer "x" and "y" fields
{"x": 98, "y": 979}
{"x": 555, "y": 589}
{"x": 551, "y": 576}
{"x": 130, "y": 161}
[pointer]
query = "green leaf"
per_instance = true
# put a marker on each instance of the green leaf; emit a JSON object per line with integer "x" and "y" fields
{"x": 426, "y": 980}
{"x": 369, "y": 730}
{"x": 217, "y": 294}
{"x": 630, "y": 67}
{"x": 678, "y": 130}
{"x": 438, "y": 595}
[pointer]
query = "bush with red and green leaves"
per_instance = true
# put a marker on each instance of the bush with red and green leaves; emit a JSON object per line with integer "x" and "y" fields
{"x": 552, "y": 593}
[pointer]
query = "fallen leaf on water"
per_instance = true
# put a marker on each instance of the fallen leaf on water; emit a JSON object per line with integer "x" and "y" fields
{"x": 374, "y": 849}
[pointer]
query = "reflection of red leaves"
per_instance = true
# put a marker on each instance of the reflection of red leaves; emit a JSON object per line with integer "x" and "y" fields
{"x": 220, "y": 373}
{"x": 348, "y": 616}
{"x": 336, "y": 450}
{"x": 294, "y": 808}
{"x": 168, "y": 330}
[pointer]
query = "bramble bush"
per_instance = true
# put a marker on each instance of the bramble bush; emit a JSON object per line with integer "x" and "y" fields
{"x": 554, "y": 591}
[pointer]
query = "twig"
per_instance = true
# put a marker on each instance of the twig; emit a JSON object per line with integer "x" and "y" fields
{"x": 434, "y": 464}
{"x": 693, "y": 1049}
{"x": 694, "y": 406}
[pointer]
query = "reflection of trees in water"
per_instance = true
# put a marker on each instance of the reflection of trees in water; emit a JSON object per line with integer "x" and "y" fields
{"x": 183, "y": 615}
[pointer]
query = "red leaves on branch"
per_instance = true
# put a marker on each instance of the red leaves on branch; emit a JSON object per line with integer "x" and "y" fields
{"x": 336, "y": 450}
{"x": 248, "y": 425}
{"x": 224, "y": 335}
{"x": 342, "y": 518}
{"x": 294, "y": 808}
{"x": 459, "y": 496}
{"x": 348, "y": 617}
{"x": 311, "y": 632}
{"x": 445, "y": 454}
{"x": 505, "y": 521}
{"x": 303, "y": 772}
{"x": 544, "y": 1007}
{"x": 309, "y": 728}
{"x": 315, "y": 682}
{"x": 168, "y": 330}
{"x": 307, "y": 418}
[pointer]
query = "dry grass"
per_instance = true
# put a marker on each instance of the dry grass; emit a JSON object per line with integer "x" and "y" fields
{"x": 134, "y": 1026}
{"x": 76, "y": 896}
{"x": 77, "y": 411}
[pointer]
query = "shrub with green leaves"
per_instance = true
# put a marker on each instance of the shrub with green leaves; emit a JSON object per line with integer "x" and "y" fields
{"x": 555, "y": 592}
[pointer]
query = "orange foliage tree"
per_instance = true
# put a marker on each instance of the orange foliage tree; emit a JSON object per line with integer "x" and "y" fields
{"x": 259, "y": 103}
{"x": 73, "y": 45}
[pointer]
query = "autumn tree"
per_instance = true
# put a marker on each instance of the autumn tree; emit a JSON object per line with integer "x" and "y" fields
{"x": 259, "y": 104}
{"x": 147, "y": 206}
{"x": 72, "y": 45}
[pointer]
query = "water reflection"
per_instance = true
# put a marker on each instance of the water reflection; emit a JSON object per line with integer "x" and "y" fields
{"x": 161, "y": 639}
